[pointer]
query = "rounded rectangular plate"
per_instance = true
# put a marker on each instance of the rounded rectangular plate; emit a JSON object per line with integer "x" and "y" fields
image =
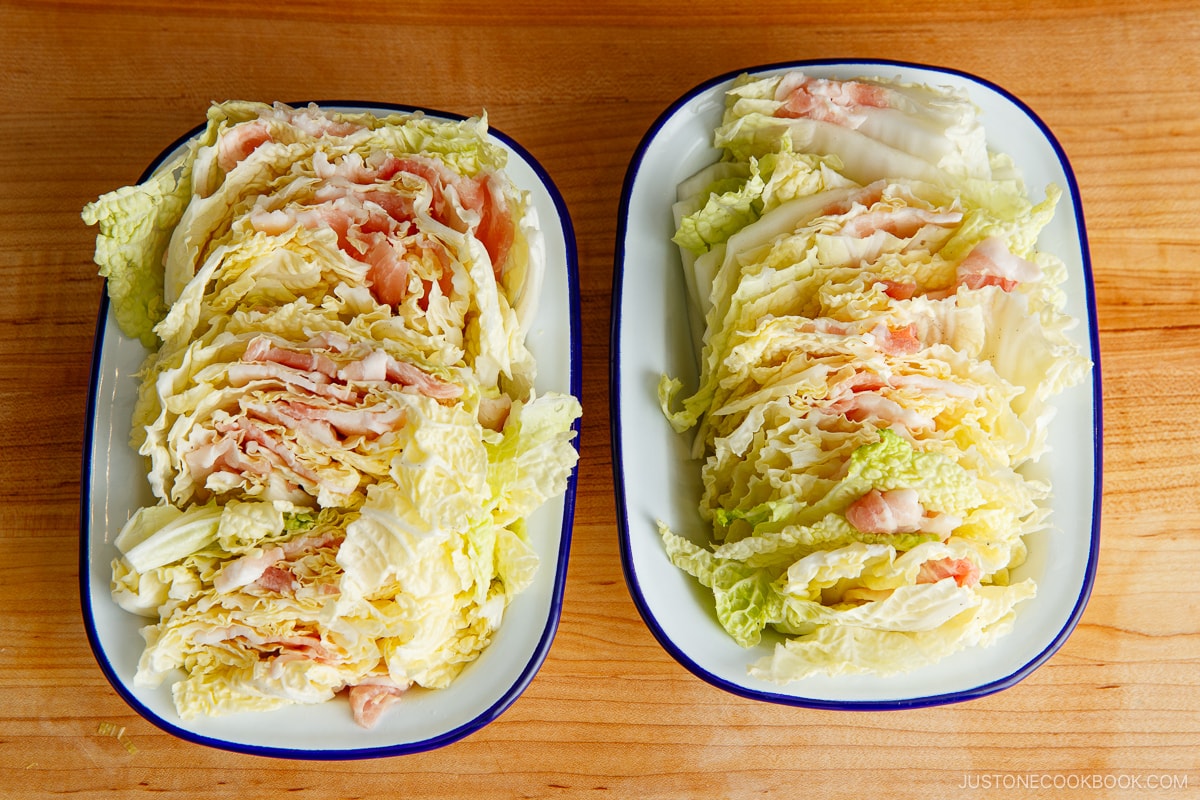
{"x": 114, "y": 485}
{"x": 656, "y": 479}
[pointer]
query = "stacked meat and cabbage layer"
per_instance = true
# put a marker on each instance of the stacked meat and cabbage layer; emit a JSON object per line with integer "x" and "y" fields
{"x": 881, "y": 339}
{"x": 338, "y": 413}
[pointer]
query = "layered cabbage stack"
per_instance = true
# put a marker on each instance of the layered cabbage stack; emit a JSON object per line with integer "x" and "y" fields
{"x": 880, "y": 341}
{"x": 338, "y": 411}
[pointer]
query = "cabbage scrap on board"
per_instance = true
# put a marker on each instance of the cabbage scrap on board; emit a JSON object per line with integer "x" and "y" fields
{"x": 881, "y": 341}
{"x": 337, "y": 410}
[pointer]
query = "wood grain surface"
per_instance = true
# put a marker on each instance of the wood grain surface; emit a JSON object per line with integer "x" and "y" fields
{"x": 91, "y": 91}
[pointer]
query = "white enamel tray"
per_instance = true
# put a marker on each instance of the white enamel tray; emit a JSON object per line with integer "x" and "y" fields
{"x": 656, "y": 479}
{"x": 114, "y": 485}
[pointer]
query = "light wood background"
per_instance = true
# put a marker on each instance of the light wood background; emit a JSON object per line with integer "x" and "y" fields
{"x": 90, "y": 91}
